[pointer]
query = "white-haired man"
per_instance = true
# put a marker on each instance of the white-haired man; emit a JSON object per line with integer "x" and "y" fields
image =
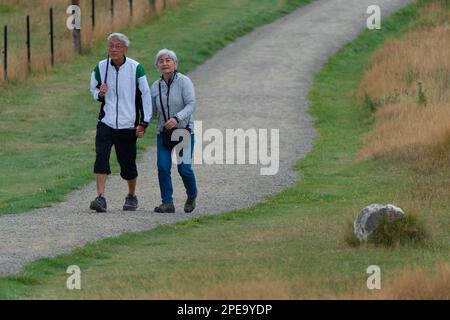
{"x": 120, "y": 84}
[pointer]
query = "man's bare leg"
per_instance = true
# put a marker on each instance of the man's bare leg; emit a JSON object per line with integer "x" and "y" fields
{"x": 101, "y": 183}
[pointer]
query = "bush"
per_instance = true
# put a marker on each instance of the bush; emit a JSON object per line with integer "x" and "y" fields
{"x": 369, "y": 103}
{"x": 393, "y": 233}
{"x": 408, "y": 229}
{"x": 422, "y": 97}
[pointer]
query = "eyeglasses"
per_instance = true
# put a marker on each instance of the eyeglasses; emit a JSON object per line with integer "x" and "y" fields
{"x": 118, "y": 47}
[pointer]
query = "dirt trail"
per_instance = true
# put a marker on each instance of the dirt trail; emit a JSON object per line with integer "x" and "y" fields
{"x": 260, "y": 81}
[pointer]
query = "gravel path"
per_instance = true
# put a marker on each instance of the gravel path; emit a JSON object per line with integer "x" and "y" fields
{"x": 260, "y": 81}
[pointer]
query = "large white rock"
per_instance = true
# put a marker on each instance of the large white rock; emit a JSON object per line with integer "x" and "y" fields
{"x": 368, "y": 219}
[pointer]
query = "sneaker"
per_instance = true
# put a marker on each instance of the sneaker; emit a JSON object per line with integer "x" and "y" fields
{"x": 189, "y": 206}
{"x": 165, "y": 207}
{"x": 99, "y": 204}
{"x": 131, "y": 203}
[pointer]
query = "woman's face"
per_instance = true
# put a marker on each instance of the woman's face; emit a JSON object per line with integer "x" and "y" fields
{"x": 166, "y": 65}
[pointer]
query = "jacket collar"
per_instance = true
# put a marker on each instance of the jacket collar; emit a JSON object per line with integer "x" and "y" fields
{"x": 112, "y": 64}
{"x": 172, "y": 78}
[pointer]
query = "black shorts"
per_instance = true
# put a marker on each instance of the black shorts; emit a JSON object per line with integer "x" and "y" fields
{"x": 124, "y": 141}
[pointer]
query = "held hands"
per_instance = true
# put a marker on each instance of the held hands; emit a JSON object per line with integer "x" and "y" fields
{"x": 103, "y": 89}
{"x": 140, "y": 131}
{"x": 170, "y": 123}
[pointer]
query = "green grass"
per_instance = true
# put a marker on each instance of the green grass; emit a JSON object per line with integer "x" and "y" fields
{"x": 47, "y": 124}
{"x": 6, "y": 9}
{"x": 292, "y": 245}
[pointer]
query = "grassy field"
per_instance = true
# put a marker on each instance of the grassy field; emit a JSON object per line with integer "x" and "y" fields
{"x": 408, "y": 84}
{"x": 291, "y": 246}
{"x": 13, "y": 14}
{"x": 47, "y": 124}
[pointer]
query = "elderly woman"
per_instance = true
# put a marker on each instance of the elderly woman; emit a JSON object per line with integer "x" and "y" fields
{"x": 174, "y": 98}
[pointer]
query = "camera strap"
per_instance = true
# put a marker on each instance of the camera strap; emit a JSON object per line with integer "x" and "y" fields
{"x": 167, "y": 95}
{"x": 107, "y": 67}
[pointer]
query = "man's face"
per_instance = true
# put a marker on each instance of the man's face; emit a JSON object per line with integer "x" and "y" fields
{"x": 117, "y": 49}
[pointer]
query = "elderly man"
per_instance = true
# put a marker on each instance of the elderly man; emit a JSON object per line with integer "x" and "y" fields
{"x": 120, "y": 84}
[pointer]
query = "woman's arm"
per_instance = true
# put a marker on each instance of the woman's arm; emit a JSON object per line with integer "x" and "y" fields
{"x": 188, "y": 95}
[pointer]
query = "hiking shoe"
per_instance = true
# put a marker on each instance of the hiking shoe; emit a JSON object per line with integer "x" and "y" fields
{"x": 99, "y": 204}
{"x": 189, "y": 206}
{"x": 131, "y": 203}
{"x": 165, "y": 207}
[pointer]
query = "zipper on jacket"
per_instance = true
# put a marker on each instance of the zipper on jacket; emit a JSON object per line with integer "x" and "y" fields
{"x": 117, "y": 98}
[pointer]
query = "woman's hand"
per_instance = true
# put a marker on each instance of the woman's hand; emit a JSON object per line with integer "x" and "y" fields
{"x": 171, "y": 123}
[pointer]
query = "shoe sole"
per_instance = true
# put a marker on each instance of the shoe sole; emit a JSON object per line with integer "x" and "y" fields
{"x": 95, "y": 206}
{"x": 169, "y": 211}
{"x": 129, "y": 208}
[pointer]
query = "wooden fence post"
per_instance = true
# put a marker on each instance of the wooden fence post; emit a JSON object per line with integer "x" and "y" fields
{"x": 52, "y": 45}
{"x": 112, "y": 9}
{"x": 5, "y": 52}
{"x": 28, "y": 44}
{"x": 93, "y": 14}
{"x": 76, "y": 33}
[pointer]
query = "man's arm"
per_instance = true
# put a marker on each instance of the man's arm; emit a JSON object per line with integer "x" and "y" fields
{"x": 97, "y": 90}
{"x": 147, "y": 106}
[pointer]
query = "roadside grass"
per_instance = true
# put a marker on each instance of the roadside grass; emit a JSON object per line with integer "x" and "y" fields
{"x": 408, "y": 81}
{"x": 413, "y": 283}
{"x": 290, "y": 247}
{"x": 47, "y": 124}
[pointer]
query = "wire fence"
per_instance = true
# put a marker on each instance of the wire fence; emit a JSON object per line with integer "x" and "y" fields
{"x": 38, "y": 34}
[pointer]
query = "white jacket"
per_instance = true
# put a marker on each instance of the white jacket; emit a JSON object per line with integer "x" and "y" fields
{"x": 128, "y": 101}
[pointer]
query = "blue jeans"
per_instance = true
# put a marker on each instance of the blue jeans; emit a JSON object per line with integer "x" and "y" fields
{"x": 164, "y": 163}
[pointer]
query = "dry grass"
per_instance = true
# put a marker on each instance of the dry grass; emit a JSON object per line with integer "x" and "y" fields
{"x": 39, "y": 20}
{"x": 414, "y": 283}
{"x": 407, "y": 82}
{"x": 412, "y": 125}
{"x": 262, "y": 286}
{"x": 245, "y": 290}
{"x": 419, "y": 284}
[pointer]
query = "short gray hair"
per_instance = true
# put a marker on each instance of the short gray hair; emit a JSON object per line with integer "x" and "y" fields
{"x": 119, "y": 36}
{"x": 165, "y": 52}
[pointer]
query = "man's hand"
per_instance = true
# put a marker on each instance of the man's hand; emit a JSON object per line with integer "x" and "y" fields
{"x": 170, "y": 123}
{"x": 140, "y": 131}
{"x": 103, "y": 89}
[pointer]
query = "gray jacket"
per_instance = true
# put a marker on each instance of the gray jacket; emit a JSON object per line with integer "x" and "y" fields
{"x": 181, "y": 101}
